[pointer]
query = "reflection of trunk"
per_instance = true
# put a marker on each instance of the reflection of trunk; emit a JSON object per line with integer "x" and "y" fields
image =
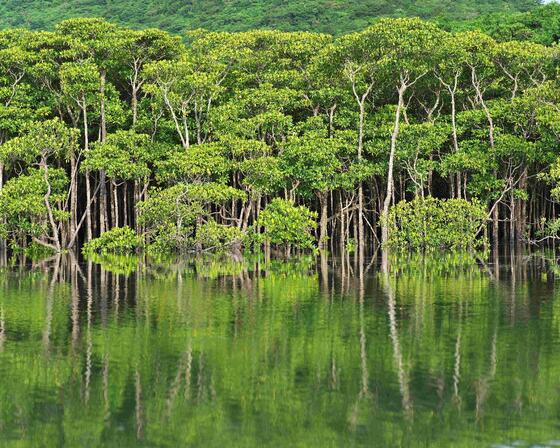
{"x": 496, "y": 262}
{"x": 188, "y": 369}
{"x": 138, "y": 407}
{"x": 2, "y": 329}
{"x": 324, "y": 271}
{"x": 75, "y": 306}
{"x": 457, "y": 370}
{"x": 457, "y": 362}
{"x": 397, "y": 353}
{"x": 513, "y": 287}
{"x": 183, "y": 370}
{"x": 49, "y": 305}
{"x": 364, "y": 391}
{"x": 106, "y": 386}
{"x": 483, "y": 384}
{"x": 364, "y": 386}
{"x": 89, "y": 342}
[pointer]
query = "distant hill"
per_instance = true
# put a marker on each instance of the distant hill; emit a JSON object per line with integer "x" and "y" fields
{"x": 330, "y": 16}
{"x": 541, "y": 25}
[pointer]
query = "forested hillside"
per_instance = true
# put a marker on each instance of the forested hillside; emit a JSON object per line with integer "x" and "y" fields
{"x": 328, "y": 16}
{"x": 541, "y": 25}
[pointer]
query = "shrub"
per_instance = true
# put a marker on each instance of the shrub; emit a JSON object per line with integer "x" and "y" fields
{"x": 119, "y": 241}
{"x": 430, "y": 224}
{"x": 214, "y": 236}
{"x": 285, "y": 223}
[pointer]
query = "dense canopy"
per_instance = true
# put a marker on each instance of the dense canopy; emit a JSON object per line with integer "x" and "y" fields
{"x": 187, "y": 141}
{"x": 328, "y": 16}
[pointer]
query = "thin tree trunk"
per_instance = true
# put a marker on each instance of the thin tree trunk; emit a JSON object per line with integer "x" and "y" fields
{"x": 125, "y": 205}
{"x": 2, "y": 241}
{"x": 103, "y": 118}
{"x": 73, "y": 194}
{"x": 87, "y": 175}
{"x": 114, "y": 190}
{"x": 134, "y": 106}
{"x": 360, "y": 235}
{"x": 390, "y": 180}
{"x": 104, "y": 220}
{"x": 342, "y": 227}
{"x": 495, "y": 225}
{"x": 512, "y": 214}
{"x": 47, "y": 197}
{"x": 521, "y": 207}
{"x": 324, "y": 219}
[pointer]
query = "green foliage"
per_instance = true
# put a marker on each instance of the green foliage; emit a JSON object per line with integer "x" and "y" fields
{"x": 337, "y": 17}
{"x": 186, "y": 140}
{"x": 117, "y": 241}
{"x": 124, "y": 155}
{"x": 176, "y": 216}
{"x": 433, "y": 224}
{"x": 285, "y": 223}
{"x": 313, "y": 163}
{"x": 539, "y": 25}
{"x": 201, "y": 163}
{"x": 40, "y": 140}
{"x": 23, "y": 204}
{"x": 218, "y": 237}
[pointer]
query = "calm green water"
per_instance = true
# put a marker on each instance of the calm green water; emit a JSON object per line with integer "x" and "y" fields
{"x": 242, "y": 354}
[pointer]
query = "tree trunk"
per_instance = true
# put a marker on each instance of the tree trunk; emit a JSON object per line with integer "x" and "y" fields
{"x": 496, "y": 226}
{"x": 87, "y": 175}
{"x": 390, "y": 180}
{"x": 512, "y": 214}
{"x": 134, "y": 105}
{"x": 73, "y": 194}
{"x": 342, "y": 235}
{"x": 103, "y": 119}
{"x": 2, "y": 241}
{"x": 47, "y": 197}
{"x": 521, "y": 207}
{"x": 103, "y": 218}
{"x": 324, "y": 219}
{"x": 125, "y": 205}
{"x": 115, "y": 200}
{"x": 360, "y": 236}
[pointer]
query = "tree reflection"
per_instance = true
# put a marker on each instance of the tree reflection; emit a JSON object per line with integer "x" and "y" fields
{"x": 250, "y": 352}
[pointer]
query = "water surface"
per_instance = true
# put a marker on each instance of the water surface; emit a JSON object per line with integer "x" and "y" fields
{"x": 225, "y": 353}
